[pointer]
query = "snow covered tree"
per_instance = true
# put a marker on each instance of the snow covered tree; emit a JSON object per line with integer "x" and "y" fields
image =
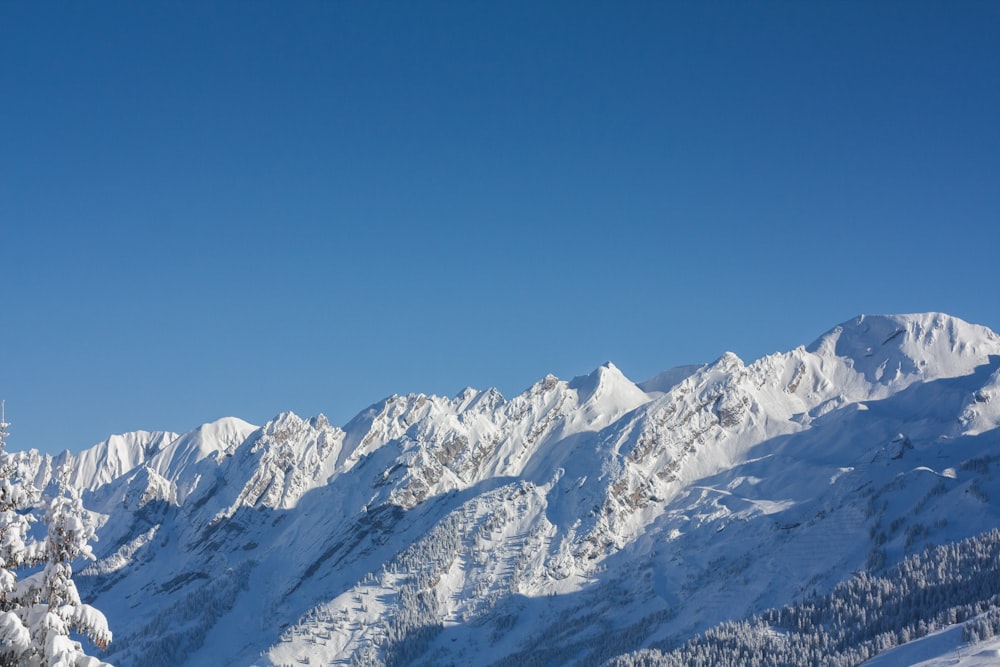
{"x": 59, "y": 609}
{"x": 38, "y": 613}
{"x": 15, "y": 551}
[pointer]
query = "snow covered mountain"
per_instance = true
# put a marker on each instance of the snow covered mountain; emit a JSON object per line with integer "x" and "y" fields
{"x": 573, "y": 523}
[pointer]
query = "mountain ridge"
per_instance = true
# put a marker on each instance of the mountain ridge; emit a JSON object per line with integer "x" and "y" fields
{"x": 121, "y": 449}
{"x": 433, "y": 528}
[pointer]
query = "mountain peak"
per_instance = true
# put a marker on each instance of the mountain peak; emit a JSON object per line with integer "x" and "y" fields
{"x": 893, "y": 349}
{"x": 606, "y": 390}
{"x": 213, "y": 440}
{"x": 729, "y": 362}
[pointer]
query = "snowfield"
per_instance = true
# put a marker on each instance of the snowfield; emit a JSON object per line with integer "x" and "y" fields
{"x": 576, "y": 523}
{"x": 944, "y": 648}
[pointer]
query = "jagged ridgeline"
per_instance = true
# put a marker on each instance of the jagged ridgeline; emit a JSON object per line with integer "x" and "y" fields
{"x": 579, "y": 522}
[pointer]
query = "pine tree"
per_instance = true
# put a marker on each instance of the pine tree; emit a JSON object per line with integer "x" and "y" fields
{"x": 40, "y": 611}
{"x": 15, "y": 550}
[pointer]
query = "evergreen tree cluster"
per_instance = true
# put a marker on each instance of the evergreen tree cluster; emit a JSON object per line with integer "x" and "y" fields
{"x": 860, "y": 618}
{"x": 983, "y": 627}
{"x": 39, "y": 612}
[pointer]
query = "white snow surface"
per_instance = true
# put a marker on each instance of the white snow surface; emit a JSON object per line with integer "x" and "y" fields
{"x": 943, "y": 648}
{"x": 580, "y": 516}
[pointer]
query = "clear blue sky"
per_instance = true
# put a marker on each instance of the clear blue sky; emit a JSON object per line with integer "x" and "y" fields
{"x": 240, "y": 208}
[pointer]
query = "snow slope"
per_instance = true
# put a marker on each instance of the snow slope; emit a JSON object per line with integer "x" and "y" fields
{"x": 576, "y": 521}
{"x": 944, "y": 648}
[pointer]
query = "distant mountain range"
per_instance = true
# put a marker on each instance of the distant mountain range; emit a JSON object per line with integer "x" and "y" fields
{"x": 578, "y": 522}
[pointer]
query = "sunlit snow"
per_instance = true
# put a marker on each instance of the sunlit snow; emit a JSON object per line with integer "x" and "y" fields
{"x": 580, "y": 514}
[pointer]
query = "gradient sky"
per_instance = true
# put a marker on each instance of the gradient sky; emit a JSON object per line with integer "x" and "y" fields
{"x": 241, "y": 208}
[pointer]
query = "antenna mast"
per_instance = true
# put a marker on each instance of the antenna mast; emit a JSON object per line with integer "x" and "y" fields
{"x": 3, "y": 423}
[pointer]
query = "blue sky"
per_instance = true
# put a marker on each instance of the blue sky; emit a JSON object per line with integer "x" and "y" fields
{"x": 240, "y": 208}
